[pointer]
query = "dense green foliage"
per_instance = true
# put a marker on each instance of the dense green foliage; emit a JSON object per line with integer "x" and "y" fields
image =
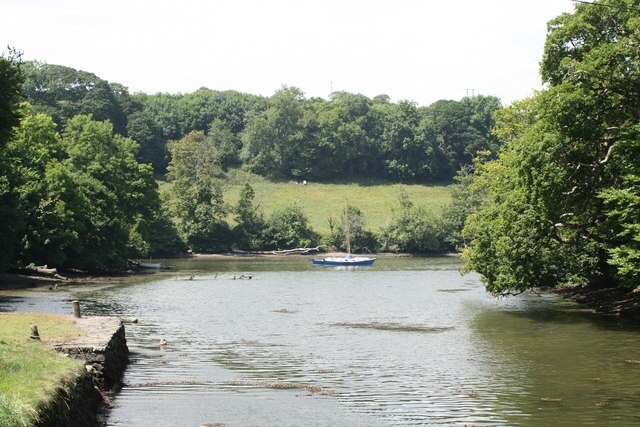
{"x": 10, "y": 92}
{"x": 63, "y": 92}
{"x": 249, "y": 233}
{"x": 285, "y": 136}
{"x": 77, "y": 162}
{"x": 84, "y": 199}
{"x": 466, "y": 199}
{"x": 562, "y": 199}
{"x": 196, "y": 189}
{"x": 353, "y": 136}
{"x": 11, "y": 79}
{"x": 413, "y": 229}
{"x": 289, "y": 228}
{"x": 166, "y": 117}
{"x": 76, "y": 198}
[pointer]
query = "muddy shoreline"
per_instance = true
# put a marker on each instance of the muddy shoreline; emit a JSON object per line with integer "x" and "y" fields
{"x": 31, "y": 279}
{"x": 24, "y": 280}
{"x": 611, "y": 301}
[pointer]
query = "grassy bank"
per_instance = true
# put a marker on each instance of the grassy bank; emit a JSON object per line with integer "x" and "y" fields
{"x": 322, "y": 200}
{"x": 30, "y": 370}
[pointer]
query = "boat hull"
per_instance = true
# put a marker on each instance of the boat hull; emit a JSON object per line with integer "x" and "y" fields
{"x": 149, "y": 265}
{"x": 343, "y": 262}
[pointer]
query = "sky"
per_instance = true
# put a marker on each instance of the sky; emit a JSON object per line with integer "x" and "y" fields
{"x": 417, "y": 50}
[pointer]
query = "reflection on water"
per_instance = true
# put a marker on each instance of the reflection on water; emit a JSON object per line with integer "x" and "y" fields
{"x": 406, "y": 342}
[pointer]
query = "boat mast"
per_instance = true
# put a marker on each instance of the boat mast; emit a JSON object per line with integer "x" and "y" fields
{"x": 347, "y": 226}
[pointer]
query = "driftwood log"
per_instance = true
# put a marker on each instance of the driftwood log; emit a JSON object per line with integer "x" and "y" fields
{"x": 296, "y": 251}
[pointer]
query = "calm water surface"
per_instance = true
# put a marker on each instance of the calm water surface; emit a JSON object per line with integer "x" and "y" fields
{"x": 407, "y": 342}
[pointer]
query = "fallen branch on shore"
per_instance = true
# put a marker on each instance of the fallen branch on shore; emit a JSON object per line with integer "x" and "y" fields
{"x": 44, "y": 269}
{"x": 295, "y": 251}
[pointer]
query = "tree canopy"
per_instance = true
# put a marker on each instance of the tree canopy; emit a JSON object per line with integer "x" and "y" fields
{"x": 561, "y": 195}
{"x": 282, "y": 136}
{"x": 196, "y": 202}
{"x": 63, "y": 92}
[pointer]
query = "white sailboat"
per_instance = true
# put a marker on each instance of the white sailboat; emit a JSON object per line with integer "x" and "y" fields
{"x": 348, "y": 260}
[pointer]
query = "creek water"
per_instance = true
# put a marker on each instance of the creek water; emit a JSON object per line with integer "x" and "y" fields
{"x": 408, "y": 341}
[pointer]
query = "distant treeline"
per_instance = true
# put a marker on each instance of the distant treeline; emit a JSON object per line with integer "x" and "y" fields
{"x": 285, "y": 136}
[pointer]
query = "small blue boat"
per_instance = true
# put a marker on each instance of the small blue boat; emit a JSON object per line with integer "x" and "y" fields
{"x": 348, "y": 261}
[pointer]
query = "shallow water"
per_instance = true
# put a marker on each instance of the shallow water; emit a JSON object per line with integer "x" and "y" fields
{"x": 407, "y": 342}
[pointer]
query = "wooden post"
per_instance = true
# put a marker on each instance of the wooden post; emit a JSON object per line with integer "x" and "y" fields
{"x": 76, "y": 308}
{"x": 34, "y": 335}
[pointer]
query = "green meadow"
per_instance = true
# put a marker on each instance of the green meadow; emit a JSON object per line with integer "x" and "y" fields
{"x": 321, "y": 201}
{"x": 30, "y": 370}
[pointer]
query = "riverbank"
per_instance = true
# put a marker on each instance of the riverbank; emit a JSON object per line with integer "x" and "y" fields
{"x": 615, "y": 301}
{"x": 9, "y": 281}
{"x": 33, "y": 279}
{"x": 38, "y": 387}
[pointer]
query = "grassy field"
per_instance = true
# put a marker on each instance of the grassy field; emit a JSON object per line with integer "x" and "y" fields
{"x": 320, "y": 201}
{"x": 31, "y": 370}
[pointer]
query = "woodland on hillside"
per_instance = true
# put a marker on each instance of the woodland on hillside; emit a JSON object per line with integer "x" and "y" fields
{"x": 81, "y": 154}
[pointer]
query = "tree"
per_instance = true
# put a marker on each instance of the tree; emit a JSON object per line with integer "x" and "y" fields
{"x": 196, "y": 204}
{"x": 554, "y": 209}
{"x": 117, "y": 196}
{"x": 46, "y": 194}
{"x": 289, "y": 228}
{"x": 383, "y": 98}
{"x": 276, "y": 143}
{"x": 63, "y": 92}
{"x": 465, "y": 200}
{"x": 412, "y": 229}
{"x": 143, "y": 129}
{"x": 227, "y": 144}
{"x": 250, "y": 229}
{"x": 81, "y": 199}
{"x": 11, "y": 79}
{"x": 623, "y": 211}
{"x": 10, "y": 95}
{"x": 349, "y": 135}
{"x": 409, "y": 154}
{"x": 456, "y": 130}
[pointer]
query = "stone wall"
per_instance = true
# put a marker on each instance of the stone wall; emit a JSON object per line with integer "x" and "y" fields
{"x": 103, "y": 348}
{"x": 74, "y": 404}
{"x": 105, "y": 362}
{"x": 104, "y": 351}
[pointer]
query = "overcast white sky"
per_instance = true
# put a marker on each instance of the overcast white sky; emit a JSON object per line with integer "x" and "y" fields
{"x": 420, "y": 50}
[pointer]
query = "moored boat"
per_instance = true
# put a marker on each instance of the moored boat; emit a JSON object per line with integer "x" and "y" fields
{"x": 149, "y": 264}
{"x": 348, "y": 260}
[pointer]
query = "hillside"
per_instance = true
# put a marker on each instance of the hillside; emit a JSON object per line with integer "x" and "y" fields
{"x": 323, "y": 200}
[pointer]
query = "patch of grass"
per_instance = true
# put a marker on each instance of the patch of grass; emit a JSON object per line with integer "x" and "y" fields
{"x": 16, "y": 326}
{"x": 320, "y": 201}
{"x": 30, "y": 371}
